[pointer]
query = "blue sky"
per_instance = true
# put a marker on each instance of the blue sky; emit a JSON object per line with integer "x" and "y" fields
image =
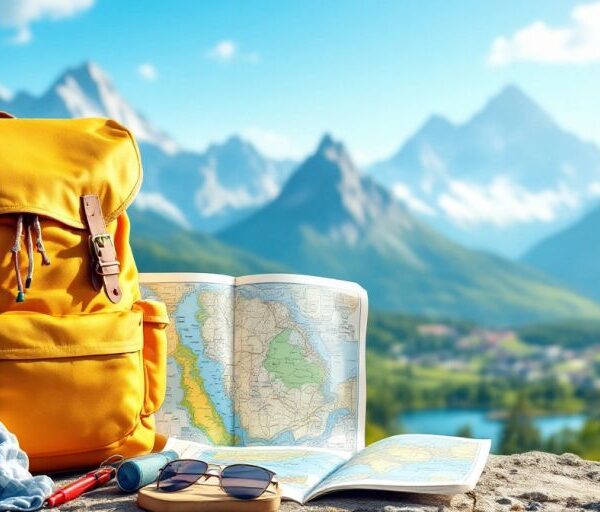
{"x": 283, "y": 72}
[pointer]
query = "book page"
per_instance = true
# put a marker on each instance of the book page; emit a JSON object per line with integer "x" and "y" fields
{"x": 298, "y": 469}
{"x": 412, "y": 463}
{"x": 198, "y": 405}
{"x": 299, "y": 346}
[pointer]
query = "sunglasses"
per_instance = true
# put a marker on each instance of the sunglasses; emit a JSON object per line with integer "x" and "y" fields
{"x": 241, "y": 481}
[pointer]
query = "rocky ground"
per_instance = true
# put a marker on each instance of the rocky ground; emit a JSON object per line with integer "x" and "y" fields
{"x": 528, "y": 482}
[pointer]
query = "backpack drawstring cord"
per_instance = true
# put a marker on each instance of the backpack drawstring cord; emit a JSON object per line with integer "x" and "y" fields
{"x": 39, "y": 242}
{"x": 16, "y": 249}
{"x": 31, "y": 224}
{"x": 29, "y": 244}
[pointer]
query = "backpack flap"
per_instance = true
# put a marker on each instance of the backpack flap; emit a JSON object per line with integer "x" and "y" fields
{"x": 49, "y": 164}
{"x": 82, "y": 173}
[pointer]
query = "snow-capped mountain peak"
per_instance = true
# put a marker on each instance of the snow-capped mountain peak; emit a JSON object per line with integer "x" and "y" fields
{"x": 335, "y": 152}
{"x": 502, "y": 180}
{"x": 348, "y": 202}
{"x": 87, "y": 91}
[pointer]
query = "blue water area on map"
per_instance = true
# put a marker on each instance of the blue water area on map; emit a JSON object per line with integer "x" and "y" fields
{"x": 449, "y": 421}
{"x": 211, "y": 370}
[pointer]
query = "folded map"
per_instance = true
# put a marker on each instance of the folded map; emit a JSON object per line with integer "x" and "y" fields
{"x": 405, "y": 463}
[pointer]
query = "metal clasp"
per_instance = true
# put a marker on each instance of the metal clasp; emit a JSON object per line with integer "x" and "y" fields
{"x": 99, "y": 242}
{"x": 103, "y": 251}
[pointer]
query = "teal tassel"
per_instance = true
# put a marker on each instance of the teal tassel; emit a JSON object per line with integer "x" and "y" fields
{"x": 20, "y": 297}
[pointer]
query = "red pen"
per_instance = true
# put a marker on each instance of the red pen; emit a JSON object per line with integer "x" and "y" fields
{"x": 86, "y": 483}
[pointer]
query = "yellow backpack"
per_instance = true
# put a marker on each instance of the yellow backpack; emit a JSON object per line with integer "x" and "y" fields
{"x": 82, "y": 357}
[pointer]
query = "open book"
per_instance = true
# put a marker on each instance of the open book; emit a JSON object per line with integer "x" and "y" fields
{"x": 263, "y": 360}
{"x": 404, "y": 463}
{"x": 270, "y": 370}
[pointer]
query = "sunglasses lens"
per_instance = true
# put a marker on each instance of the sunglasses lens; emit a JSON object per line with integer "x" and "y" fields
{"x": 180, "y": 474}
{"x": 245, "y": 482}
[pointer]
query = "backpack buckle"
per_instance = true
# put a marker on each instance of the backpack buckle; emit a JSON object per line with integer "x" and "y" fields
{"x": 104, "y": 254}
{"x": 105, "y": 266}
{"x": 100, "y": 242}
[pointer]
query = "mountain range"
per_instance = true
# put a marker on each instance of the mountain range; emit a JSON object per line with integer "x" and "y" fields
{"x": 330, "y": 220}
{"x": 229, "y": 209}
{"x": 210, "y": 190}
{"x": 203, "y": 191}
{"x": 503, "y": 180}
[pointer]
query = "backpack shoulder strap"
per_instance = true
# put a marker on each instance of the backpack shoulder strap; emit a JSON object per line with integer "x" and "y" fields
{"x": 105, "y": 266}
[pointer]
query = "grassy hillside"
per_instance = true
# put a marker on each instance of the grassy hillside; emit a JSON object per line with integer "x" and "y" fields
{"x": 571, "y": 255}
{"x": 421, "y": 272}
{"x": 160, "y": 246}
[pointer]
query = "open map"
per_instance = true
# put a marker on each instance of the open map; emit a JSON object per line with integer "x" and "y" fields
{"x": 408, "y": 463}
{"x": 263, "y": 360}
{"x": 417, "y": 463}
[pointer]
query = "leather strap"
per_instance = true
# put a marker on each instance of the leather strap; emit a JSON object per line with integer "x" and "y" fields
{"x": 105, "y": 266}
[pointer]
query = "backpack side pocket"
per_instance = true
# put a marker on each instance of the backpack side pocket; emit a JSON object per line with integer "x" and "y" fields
{"x": 155, "y": 320}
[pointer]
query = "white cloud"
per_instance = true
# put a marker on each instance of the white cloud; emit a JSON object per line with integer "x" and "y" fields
{"x": 272, "y": 143}
{"x": 403, "y": 192}
{"x": 594, "y": 189}
{"x": 20, "y": 14}
{"x": 155, "y": 202}
{"x": 503, "y": 203}
{"x": 147, "y": 71}
{"x": 223, "y": 51}
{"x": 5, "y": 93}
{"x": 228, "y": 50}
{"x": 22, "y": 36}
{"x": 578, "y": 42}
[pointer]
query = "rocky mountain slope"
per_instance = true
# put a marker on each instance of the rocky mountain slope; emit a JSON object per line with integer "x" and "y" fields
{"x": 330, "y": 220}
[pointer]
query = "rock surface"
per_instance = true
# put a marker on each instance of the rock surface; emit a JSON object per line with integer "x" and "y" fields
{"x": 528, "y": 482}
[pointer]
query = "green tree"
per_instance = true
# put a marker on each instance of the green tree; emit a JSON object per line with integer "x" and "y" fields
{"x": 465, "y": 431}
{"x": 584, "y": 442}
{"x": 519, "y": 433}
{"x": 589, "y": 439}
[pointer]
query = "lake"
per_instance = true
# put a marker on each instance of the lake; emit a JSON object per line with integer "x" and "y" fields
{"x": 448, "y": 421}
